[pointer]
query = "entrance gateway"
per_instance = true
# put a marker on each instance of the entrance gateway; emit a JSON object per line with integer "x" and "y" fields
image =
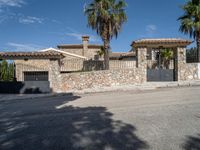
{"x": 161, "y": 65}
{"x": 163, "y": 58}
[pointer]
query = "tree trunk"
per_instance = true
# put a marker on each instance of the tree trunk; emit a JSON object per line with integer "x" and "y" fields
{"x": 198, "y": 47}
{"x": 106, "y": 55}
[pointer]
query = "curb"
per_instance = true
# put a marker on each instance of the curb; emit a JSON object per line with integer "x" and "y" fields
{"x": 143, "y": 87}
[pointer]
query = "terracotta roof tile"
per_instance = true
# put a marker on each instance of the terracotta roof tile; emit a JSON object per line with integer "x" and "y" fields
{"x": 48, "y": 54}
{"x": 119, "y": 55}
{"x": 161, "y": 41}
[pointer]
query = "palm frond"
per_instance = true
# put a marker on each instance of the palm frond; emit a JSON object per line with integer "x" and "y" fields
{"x": 190, "y": 21}
{"x": 106, "y": 16}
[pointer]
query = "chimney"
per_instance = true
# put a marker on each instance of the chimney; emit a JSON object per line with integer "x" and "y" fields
{"x": 85, "y": 44}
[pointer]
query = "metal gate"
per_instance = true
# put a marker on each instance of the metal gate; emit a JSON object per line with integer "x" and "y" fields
{"x": 34, "y": 83}
{"x": 159, "y": 71}
{"x": 36, "y": 76}
{"x": 160, "y": 75}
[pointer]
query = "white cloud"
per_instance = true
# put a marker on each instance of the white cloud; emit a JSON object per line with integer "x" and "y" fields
{"x": 30, "y": 20}
{"x": 11, "y": 3}
{"x": 21, "y": 18}
{"x": 78, "y": 36}
{"x": 151, "y": 28}
{"x": 55, "y": 21}
{"x": 23, "y": 47}
{"x": 3, "y": 18}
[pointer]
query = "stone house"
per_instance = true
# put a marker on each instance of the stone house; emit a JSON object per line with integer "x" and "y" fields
{"x": 89, "y": 51}
{"x": 71, "y": 57}
{"x": 63, "y": 67}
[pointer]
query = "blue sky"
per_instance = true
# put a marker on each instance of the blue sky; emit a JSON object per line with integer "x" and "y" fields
{"x": 27, "y": 25}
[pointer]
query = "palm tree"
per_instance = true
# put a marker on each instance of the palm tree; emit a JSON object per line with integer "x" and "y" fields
{"x": 166, "y": 55}
{"x": 190, "y": 22}
{"x": 101, "y": 52}
{"x": 107, "y": 18}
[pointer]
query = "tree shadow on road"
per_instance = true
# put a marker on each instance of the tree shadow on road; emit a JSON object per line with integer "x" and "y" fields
{"x": 68, "y": 128}
{"x": 192, "y": 143}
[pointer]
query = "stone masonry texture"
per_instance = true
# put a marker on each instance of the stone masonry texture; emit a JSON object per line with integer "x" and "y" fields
{"x": 96, "y": 79}
{"x": 185, "y": 71}
{"x": 64, "y": 82}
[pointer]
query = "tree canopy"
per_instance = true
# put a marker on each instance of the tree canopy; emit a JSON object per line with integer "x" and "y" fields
{"x": 107, "y": 18}
{"x": 190, "y": 22}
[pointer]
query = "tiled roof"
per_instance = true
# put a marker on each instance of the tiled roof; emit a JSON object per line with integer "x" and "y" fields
{"x": 75, "y": 46}
{"x": 119, "y": 55}
{"x": 63, "y": 52}
{"x": 161, "y": 41}
{"x": 47, "y": 54}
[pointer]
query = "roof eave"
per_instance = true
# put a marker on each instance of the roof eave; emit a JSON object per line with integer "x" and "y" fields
{"x": 77, "y": 46}
{"x": 161, "y": 43}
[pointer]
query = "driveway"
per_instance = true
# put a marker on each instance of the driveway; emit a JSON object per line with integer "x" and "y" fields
{"x": 165, "y": 119}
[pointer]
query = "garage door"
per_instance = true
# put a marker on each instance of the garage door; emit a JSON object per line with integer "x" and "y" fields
{"x": 36, "y": 76}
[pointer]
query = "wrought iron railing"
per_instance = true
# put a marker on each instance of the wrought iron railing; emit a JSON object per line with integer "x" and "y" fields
{"x": 92, "y": 65}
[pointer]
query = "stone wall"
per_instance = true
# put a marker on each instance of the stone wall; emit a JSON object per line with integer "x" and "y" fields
{"x": 64, "y": 82}
{"x": 185, "y": 71}
{"x": 142, "y": 61}
{"x": 85, "y": 80}
{"x": 189, "y": 71}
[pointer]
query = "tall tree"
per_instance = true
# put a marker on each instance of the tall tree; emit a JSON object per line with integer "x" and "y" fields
{"x": 11, "y": 72}
{"x": 4, "y": 71}
{"x": 190, "y": 55}
{"x": 107, "y": 18}
{"x": 7, "y": 71}
{"x": 190, "y": 22}
{"x": 0, "y": 69}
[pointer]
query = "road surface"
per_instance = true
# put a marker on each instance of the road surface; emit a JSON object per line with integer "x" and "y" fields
{"x": 165, "y": 119}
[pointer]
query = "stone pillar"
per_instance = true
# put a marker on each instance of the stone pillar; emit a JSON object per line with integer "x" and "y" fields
{"x": 180, "y": 63}
{"x": 199, "y": 71}
{"x": 18, "y": 71}
{"x": 142, "y": 62}
{"x": 54, "y": 72}
{"x": 85, "y": 45}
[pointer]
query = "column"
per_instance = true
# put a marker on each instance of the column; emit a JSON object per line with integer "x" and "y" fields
{"x": 54, "y": 72}
{"x": 180, "y": 63}
{"x": 142, "y": 62}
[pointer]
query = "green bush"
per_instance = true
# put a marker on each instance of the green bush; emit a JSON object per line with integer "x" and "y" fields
{"x": 6, "y": 71}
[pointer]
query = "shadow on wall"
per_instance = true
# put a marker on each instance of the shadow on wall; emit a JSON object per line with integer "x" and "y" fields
{"x": 49, "y": 123}
{"x": 93, "y": 65}
{"x": 192, "y": 143}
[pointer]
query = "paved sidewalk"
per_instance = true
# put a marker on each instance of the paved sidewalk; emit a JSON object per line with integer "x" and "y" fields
{"x": 139, "y": 87}
{"x": 6, "y": 97}
{"x": 134, "y": 88}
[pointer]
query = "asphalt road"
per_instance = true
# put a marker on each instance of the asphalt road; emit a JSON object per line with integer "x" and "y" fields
{"x": 166, "y": 119}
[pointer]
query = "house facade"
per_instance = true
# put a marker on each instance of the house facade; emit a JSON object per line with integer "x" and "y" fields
{"x": 78, "y": 66}
{"x": 70, "y": 57}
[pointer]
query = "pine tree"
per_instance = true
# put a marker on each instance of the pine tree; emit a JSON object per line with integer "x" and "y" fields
{"x": 4, "y": 70}
{"x": 11, "y": 72}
